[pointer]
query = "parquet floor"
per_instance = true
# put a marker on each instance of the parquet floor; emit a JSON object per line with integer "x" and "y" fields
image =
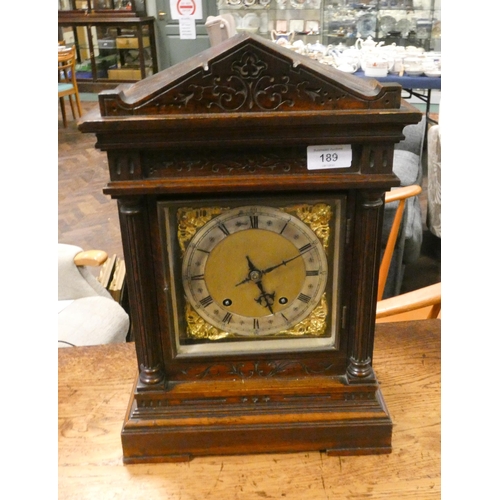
{"x": 89, "y": 219}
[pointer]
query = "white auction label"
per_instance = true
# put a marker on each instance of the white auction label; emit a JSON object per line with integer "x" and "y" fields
{"x": 322, "y": 157}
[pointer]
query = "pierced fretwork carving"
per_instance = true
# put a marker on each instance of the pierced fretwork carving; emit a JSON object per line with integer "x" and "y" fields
{"x": 251, "y": 78}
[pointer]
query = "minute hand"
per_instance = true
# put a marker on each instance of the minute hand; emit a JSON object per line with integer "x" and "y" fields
{"x": 284, "y": 262}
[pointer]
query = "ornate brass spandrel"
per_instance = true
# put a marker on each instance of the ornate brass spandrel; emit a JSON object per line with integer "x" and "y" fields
{"x": 317, "y": 217}
{"x": 189, "y": 220}
{"x": 313, "y": 326}
{"x": 198, "y": 328}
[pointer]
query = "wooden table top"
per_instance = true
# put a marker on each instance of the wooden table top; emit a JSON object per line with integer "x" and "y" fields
{"x": 95, "y": 385}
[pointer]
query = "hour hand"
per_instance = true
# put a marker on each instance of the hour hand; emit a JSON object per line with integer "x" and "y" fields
{"x": 251, "y": 265}
{"x": 265, "y": 299}
{"x": 254, "y": 274}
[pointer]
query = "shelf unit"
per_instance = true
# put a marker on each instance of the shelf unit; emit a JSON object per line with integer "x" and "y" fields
{"x": 113, "y": 45}
{"x": 114, "y": 7}
{"x": 294, "y": 19}
{"x": 404, "y": 22}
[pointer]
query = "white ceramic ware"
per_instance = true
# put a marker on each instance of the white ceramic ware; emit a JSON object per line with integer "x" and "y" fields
{"x": 367, "y": 44}
{"x": 376, "y": 72}
{"x": 282, "y": 38}
{"x": 414, "y": 72}
{"x": 397, "y": 65}
{"x": 251, "y": 21}
{"x": 414, "y": 66}
{"x": 316, "y": 48}
{"x": 346, "y": 67}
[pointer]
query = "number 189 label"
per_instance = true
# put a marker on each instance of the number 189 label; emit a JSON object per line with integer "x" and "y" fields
{"x": 322, "y": 157}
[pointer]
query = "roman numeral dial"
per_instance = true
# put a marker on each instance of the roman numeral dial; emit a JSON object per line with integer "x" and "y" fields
{"x": 254, "y": 271}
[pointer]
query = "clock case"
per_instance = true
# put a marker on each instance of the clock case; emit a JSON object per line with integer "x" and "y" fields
{"x": 235, "y": 122}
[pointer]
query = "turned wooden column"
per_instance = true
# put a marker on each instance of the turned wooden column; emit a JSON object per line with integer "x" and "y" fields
{"x": 140, "y": 274}
{"x": 365, "y": 280}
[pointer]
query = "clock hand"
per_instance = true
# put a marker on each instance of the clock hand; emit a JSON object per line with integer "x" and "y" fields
{"x": 267, "y": 298}
{"x": 251, "y": 265}
{"x": 254, "y": 273}
{"x": 285, "y": 262}
{"x": 282, "y": 263}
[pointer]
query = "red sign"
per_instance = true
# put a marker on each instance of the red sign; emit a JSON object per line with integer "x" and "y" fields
{"x": 186, "y": 7}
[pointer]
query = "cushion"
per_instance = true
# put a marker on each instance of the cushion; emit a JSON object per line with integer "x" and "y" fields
{"x": 414, "y": 138}
{"x": 64, "y": 87}
{"x": 406, "y": 165}
{"x": 92, "y": 321}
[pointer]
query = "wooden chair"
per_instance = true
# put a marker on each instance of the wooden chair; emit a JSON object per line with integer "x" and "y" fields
{"x": 401, "y": 195}
{"x": 220, "y": 28}
{"x": 424, "y": 303}
{"x": 67, "y": 85}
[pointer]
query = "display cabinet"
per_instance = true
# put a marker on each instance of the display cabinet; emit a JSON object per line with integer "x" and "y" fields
{"x": 404, "y": 22}
{"x": 120, "y": 7}
{"x": 113, "y": 46}
{"x": 293, "y": 19}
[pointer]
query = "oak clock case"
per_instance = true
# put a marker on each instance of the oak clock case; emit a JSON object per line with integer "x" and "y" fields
{"x": 253, "y": 275}
{"x": 252, "y": 290}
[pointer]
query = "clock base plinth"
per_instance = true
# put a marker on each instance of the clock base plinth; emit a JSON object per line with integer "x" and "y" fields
{"x": 232, "y": 418}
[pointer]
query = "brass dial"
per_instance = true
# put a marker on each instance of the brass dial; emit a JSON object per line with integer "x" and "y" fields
{"x": 254, "y": 271}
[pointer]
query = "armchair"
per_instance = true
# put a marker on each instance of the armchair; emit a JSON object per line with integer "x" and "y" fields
{"x": 88, "y": 315}
{"x": 424, "y": 303}
{"x": 220, "y": 28}
{"x": 407, "y": 165}
{"x": 434, "y": 180}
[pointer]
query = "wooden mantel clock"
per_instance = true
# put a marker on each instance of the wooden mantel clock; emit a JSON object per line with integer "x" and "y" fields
{"x": 250, "y": 185}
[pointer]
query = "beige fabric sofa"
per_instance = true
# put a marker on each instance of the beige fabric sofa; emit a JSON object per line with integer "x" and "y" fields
{"x": 87, "y": 314}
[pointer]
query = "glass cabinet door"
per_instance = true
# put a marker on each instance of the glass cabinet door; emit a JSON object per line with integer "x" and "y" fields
{"x": 112, "y": 6}
{"x": 110, "y": 52}
{"x": 404, "y": 22}
{"x": 275, "y": 19}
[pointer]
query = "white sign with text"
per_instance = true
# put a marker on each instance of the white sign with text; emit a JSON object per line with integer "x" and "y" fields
{"x": 187, "y": 28}
{"x": 323, "y": 157}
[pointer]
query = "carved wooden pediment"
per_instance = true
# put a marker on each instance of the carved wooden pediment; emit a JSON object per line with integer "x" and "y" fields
{"x": 248, "y": 74}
